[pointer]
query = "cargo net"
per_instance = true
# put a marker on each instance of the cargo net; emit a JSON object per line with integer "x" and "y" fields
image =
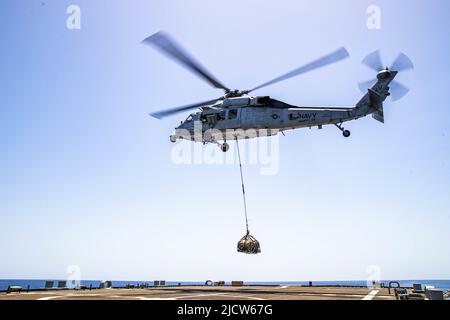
{"x": 248, "y": 245}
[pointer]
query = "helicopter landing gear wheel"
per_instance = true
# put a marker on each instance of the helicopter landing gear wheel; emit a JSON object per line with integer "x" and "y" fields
{"x": 224, "y": 147}
{"x": 345, "y": 133}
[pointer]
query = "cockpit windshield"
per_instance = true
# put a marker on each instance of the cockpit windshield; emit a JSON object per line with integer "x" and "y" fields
{"x": 190, "y": 118}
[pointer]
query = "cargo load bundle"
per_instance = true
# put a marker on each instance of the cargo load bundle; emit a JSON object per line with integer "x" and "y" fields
{"x": 248, "y": 244}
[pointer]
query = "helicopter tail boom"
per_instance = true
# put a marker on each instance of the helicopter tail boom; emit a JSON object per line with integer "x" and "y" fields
{"x": 376, "y": 94}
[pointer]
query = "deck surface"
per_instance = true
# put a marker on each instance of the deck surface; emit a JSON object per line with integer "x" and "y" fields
{"x": 209, "y": 293}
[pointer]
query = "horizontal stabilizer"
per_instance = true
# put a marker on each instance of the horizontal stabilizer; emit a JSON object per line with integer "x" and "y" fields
{"x": 379, "y": 116}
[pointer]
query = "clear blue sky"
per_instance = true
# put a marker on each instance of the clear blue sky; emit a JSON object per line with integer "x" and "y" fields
{"x": 86, "y": 176}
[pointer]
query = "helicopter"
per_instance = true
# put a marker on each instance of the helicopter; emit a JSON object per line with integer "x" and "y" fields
{"x": 239, "y": 115}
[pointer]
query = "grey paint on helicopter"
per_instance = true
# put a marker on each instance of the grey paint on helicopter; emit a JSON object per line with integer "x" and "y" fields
{"x": 236, "y": 113}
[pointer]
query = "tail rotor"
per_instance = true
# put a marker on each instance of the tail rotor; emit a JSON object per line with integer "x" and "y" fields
{"x": 401, "y": 63}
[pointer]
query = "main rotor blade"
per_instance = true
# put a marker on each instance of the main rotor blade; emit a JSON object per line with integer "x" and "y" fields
{"x": 402, "y": 63}
{"x": 398, "y": 90}
{"x": 336, "y": 56}
{"x": 168, "y": 112}
{"x": 366, "y": 85}
{"x": 170, "y": 48}
{"x": 373, "y": 61}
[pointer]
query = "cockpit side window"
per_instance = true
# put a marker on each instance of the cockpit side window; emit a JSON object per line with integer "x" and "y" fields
{"x": 232, "y": 114}
{"x": 190, "y": 118}
{"x": 221, "y": 116}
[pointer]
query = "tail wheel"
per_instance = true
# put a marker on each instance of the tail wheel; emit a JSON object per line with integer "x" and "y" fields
{"x": 346, "y": 133}
{"x": 225, "y": 146}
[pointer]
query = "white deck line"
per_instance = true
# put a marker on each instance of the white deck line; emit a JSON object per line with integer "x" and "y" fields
{"x": 196, "y": 295}
{"x": 144, "y": 298}
{"x": 50, "y": 298}
{"x": 242, "y": 297}
{"x": 371, "y": 295}
{"x": 69, "y": 296}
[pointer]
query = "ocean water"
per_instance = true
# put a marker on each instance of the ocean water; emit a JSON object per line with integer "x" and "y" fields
{"x": 39, "y": 284}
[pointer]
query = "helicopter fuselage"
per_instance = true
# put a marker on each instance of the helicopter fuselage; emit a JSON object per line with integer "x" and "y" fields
{"x": 251, "y": 117}
{"x": 253, "y": 121}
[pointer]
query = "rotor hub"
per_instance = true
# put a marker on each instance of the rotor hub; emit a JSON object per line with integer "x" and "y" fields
{"x": 234, "y": 93}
